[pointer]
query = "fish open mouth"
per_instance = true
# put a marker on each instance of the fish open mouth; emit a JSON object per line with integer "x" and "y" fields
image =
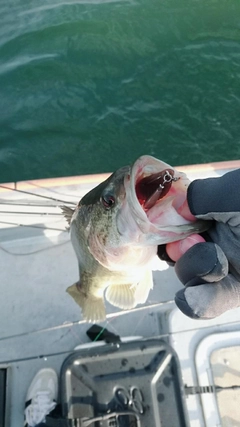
{"x": 150, "y": 189}
{"x": 155, "y": 192}
{"x": 152, "y": 186}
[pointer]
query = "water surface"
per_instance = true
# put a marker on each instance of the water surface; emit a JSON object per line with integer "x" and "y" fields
{"x": 88, "y": 86}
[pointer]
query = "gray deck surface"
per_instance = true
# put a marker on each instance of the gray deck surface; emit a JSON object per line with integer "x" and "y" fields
{"x": 39, "y": 322}
{"x": 226, "y": 373}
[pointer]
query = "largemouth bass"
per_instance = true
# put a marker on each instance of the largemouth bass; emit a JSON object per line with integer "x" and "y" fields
{"x": 116, "y": 228}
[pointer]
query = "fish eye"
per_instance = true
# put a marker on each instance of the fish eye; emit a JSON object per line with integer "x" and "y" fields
{"x": 108, "y": 201}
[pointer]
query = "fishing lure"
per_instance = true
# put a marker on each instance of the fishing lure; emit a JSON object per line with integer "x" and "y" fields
{"x": 154, "y": 187}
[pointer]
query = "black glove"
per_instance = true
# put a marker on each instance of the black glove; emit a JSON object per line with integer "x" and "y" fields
{"x": 211, "y": 271}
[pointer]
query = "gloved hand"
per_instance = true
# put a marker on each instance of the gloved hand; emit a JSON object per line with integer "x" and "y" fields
{"x": 210, "y": 270}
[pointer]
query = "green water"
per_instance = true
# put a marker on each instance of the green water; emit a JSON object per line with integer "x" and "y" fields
{"x": 88, "y": 86}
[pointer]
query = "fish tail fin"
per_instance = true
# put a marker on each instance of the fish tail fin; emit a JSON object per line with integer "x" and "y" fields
{"x": 68, "y": 213}
{"x": 93, "y": 309}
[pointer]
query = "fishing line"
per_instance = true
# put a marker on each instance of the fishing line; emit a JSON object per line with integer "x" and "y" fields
{"x": 99, "y": 334}
{"x": 82, "y": 322}
{"x": 36, "y": 195}
{"x": 39, "y": 205}
{"x": 139, "y": 322}
{"x": 31, "y": 213}
{"x": 75, "y": 335}
{"x": 33, "y": 252}
{"x": 50, "y": 190}
{"x": 33, "y": 226}
{"x": 108, "y": 322}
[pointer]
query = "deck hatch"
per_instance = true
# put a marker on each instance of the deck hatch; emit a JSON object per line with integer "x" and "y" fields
{"x": 139, "y": 377}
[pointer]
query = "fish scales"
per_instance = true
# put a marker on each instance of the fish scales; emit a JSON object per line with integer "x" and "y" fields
{"x": 115, "y": 231}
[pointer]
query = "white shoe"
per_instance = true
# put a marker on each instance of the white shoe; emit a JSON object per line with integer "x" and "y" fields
{"x": 41, "y": 397}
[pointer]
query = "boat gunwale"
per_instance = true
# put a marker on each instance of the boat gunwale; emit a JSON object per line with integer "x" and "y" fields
{"x": 94, "y": 178}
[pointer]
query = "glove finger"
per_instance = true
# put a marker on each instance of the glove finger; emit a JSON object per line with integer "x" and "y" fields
{"x": 210, "y": 300}
{"x": 203, "y": 262}
{"x": 162, "y": 254}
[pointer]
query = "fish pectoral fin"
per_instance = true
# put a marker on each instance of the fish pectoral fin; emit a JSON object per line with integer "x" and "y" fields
{"x": 143, "y": 288}
{"x": 129, "y": 295}
{"x": 121, "y": 296}
{"x": 93, "y": 309}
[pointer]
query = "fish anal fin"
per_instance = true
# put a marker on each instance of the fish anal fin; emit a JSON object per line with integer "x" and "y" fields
{"x": 68, "y": 213}
{"x": 121, "y": 296}
{"x": 143, "y": 288}
{"x": 93, "y": 309}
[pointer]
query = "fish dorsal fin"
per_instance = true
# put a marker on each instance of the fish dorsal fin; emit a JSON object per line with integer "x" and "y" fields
{"x": 68, "y": 213}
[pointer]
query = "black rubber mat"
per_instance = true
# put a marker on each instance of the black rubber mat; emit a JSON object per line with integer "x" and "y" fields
{"x": 3, "y": 381}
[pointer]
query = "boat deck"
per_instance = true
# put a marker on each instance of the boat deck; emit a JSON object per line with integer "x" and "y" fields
{"x": 41, "y": 324}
